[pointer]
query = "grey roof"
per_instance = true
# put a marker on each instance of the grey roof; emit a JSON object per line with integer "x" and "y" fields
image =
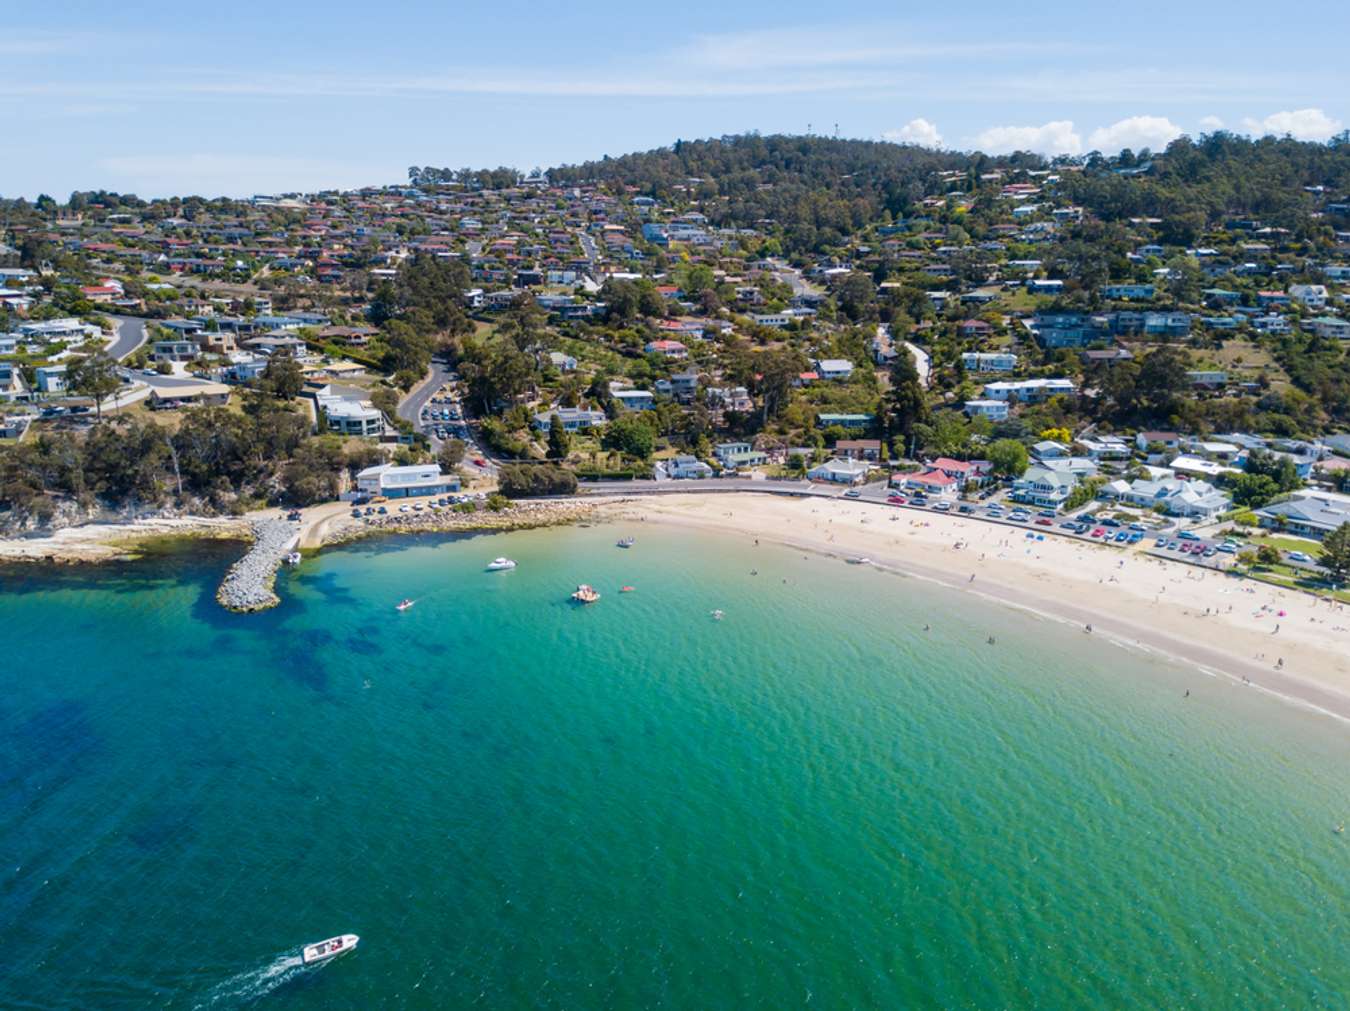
{"x": 1322, "y": 513}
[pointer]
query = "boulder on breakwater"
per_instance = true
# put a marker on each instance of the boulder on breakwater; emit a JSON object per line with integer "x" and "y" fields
{"x": 248, "y": 584}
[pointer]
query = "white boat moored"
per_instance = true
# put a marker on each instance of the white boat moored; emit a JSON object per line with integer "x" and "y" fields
{"x": 500, "y": 565}
{"x": 331, "y": 948}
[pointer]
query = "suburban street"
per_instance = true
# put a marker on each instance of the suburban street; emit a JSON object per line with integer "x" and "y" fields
{"x": 416, "y": 405}
{"x": 130, "y": 335}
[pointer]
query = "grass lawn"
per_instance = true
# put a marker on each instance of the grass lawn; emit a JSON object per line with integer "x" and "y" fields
{"x": 1284, "y": 543}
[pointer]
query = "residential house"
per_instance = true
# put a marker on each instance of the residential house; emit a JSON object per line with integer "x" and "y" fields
{"x": 858, "y": 449}
{"x": 194, "y": 395}
{"x": 734, "y": 455}
{"x": 1311, "y": 296}
{"x": 634, "y": 400}
{"x": 989, "y": 361}
{"x": 1330, "y": 326}
{"x": 667, "y": 349}
{"x": 994, "y": 410}
{"x": 973, "y": 328}
{"x": 1167, "y": 440}
{"x": 834, "y": 368}
{"x": 850, "y": 421}
{"x": 840, "y": 471}
{"x": 1308, "y": 514}
{"x": 574, "y": 419}
{"x": 1176, "y": 496}
{"x": 1139, "y": 292}
{"x": 932, "y": 481}
{"x": 965, "y": 472}
{"x": 174, "y": 351}
{"x": 1044, "y": 486}
{"x": 1104, "y": 447}
{"x": 51, "y": 378}
{"x": 1029, "y": 391}
{"x": 686, "y": 467}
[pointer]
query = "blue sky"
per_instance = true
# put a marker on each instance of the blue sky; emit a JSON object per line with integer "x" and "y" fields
{"x": 242, "y": 97}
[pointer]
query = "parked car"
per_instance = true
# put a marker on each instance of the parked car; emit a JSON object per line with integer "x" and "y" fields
{"x": 1299, "y": 556}
{"x": 1187, "y": 535}
{"x": 965, "y": 508}
{"x": 1122, "y": 537}
{"x": 1047, "y": 513}
{"x": 853, "y": 493}
{"x": 1138, "y": 526}
{"x": 943, "y": 507}
{"x": 896, "y": 499}
{"x": 1228, "y": 549}
{"x": 1109, "y": 522}
{"x": 1045, "y": 521}
{"x": 1161, "y": 542}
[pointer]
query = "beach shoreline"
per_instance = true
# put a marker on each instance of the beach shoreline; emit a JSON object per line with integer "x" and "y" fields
{"x": 1131, "y": 600}
{"x": 1283, "y": 642}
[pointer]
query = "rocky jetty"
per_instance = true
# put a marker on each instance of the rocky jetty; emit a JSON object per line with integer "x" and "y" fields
{"x": 248, "y": 584}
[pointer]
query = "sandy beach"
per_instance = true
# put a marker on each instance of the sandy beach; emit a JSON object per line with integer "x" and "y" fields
{"x": 1281, "y": 641}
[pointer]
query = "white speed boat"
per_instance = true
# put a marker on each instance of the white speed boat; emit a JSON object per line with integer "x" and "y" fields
{"x": 320, "y": 951}
{"x": 500, "y": 565}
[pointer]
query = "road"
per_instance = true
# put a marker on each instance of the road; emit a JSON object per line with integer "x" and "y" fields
{"x": 413, "y": 406}
{"x": 410, "y": 409}
{"x": 130, "y": 335}
{"x": 791, "y": 276}
{"x": 922, "y": 363}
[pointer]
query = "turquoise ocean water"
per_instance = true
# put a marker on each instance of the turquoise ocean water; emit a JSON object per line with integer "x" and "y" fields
{"x": 518, "y": 803}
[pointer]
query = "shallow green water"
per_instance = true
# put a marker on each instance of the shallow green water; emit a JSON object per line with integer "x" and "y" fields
{"x": 522, "y": 804}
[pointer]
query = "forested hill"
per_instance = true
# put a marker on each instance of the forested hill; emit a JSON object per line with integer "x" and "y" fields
{"x": 819, "y": 189}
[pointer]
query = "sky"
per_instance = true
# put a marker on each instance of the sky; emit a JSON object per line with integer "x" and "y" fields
{"x": 248, "y": 97}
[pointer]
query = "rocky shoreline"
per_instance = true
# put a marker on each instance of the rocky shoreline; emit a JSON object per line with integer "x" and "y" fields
{"x": 248, "y": 585}
{"x": 521, "y": 516}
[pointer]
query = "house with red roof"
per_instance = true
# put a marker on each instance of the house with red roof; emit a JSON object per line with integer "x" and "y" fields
{"x": 929, "y": 482}
{"x": 666, "y": 348}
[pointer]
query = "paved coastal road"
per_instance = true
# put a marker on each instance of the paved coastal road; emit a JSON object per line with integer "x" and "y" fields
{"x": 130, "y": 335}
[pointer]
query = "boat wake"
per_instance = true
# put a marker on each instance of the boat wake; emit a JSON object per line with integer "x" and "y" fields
{"x": 246, "y": 988}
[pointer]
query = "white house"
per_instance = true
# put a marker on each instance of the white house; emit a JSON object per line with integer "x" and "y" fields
{"x": 1044, "y": 486}
{"x": 994, "y": 410}
{"x": 1029, "y": 391}
{"x": 1105, "y": 447}
{"x": 687, "y": 467}
{"x": 840, "y": 471}
{"x": 733, "y": 455}
{"x": 1198, "y": 499}
{"x": 1313, "y": 296}
{"x": 574, "y": 419}
{"x": 405, "y": 482}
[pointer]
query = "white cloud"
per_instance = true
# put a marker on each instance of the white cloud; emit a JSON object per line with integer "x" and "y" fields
{"x": 1301, "y": 124}
{"x": 1057, "y": 137}
{"x": 1210, "y": 123}
{"x": 916, "y": 131}
{"x": 1137, "y": 132}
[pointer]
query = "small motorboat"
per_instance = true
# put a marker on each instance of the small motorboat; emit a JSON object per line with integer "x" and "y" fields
{"x": 404, "y": 604}
{"x": 625, "y": 542}
{"x": 500, "y": 565}
{"x": 717, "y": 615}
{"x": 863, "y": 560}
{"x": 627, "y": 589}
{"x": 321, "y": 951}
{"x": 586, "y": 594}
{"x": 294, "y": 558}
